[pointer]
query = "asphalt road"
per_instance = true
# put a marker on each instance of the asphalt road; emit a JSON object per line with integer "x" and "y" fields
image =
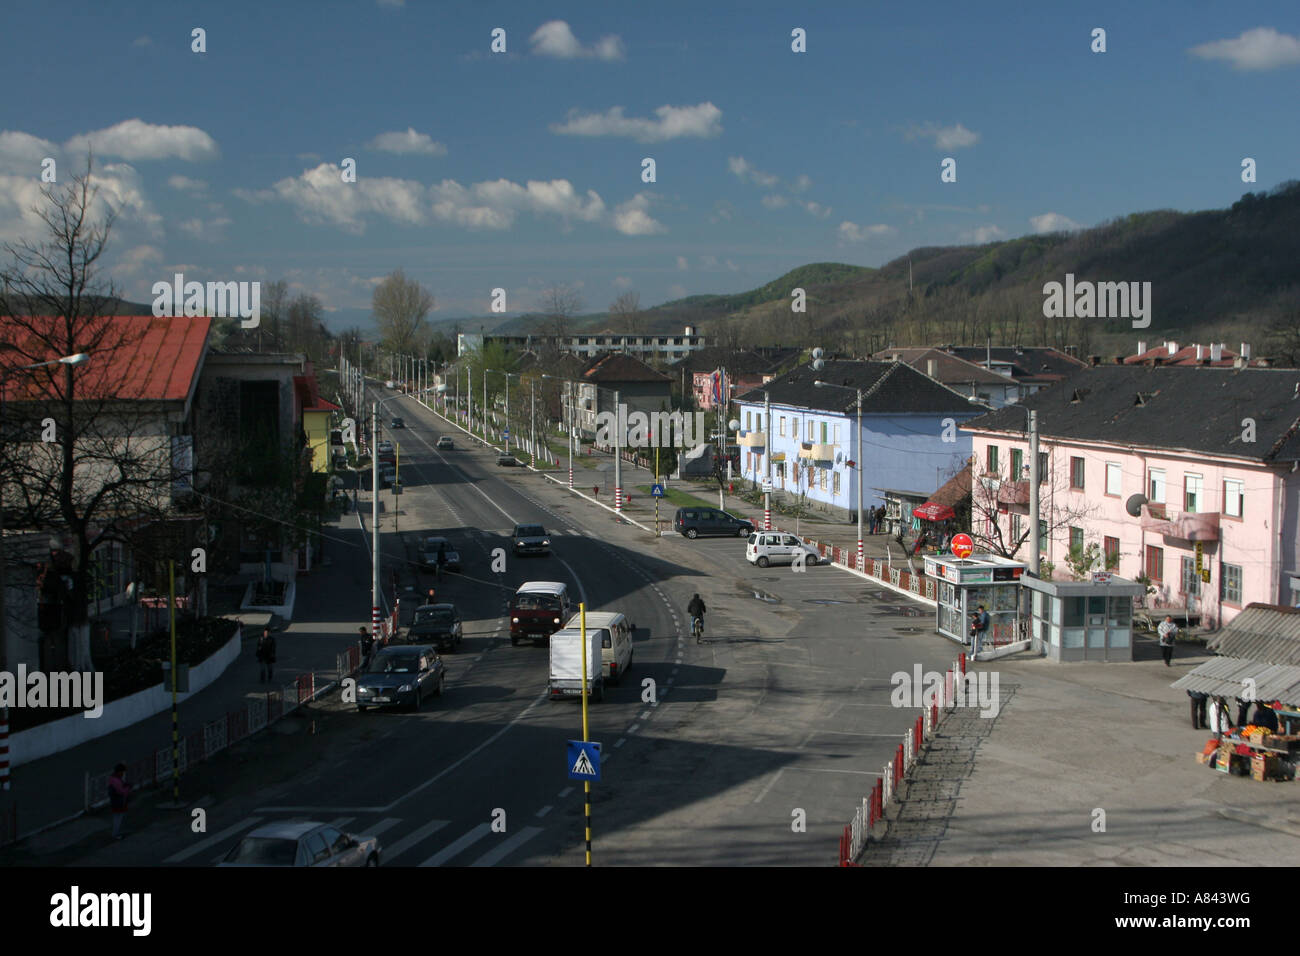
{"x": 752, "y": 748}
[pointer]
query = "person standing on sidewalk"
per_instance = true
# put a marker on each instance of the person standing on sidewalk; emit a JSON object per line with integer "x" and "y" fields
{"x": 1168, "y": 631}
{"x": 266, "y": 654}
{"x": 119, "y": 794}
{"x": 1199, "y": 699}
{"x": 365, "y": 645}
{"x": 979, "y": 627}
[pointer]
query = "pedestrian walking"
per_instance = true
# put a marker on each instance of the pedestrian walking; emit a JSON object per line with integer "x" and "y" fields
{"x": 365, "y": 644}
{"x": 266, "y": 654}
{"x": 1198, "y": 701}
{"x": 119, "y": 795}
{"x": 1168, "y": 631}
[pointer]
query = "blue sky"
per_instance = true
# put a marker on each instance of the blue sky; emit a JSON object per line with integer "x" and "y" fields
{"x": 478, "y": 170}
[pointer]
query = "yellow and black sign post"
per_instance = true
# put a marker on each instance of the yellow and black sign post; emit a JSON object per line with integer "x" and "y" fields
{"x": 176, "y": 737}
{"x": 656, "y": 482}
{"x": 586, "y": 784}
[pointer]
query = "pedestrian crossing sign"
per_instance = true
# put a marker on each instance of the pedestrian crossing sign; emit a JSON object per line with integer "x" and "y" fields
{"x": 657, "y": 491}
{"x": 583, "y": 760}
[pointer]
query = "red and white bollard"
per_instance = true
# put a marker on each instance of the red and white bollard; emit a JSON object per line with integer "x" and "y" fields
{"x": 4, "y": 748}
{"x": 860, "y": 555}
{"x": 767, "y": 519}
{"x": 618, "y": 500}
{"x": 570, "y": 477}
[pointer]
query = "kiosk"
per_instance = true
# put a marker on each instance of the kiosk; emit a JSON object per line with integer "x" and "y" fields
{"x": 1083, "y": 620}
{"x": 963, "y": 584}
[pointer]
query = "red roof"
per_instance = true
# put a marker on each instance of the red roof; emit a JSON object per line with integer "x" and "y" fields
{"x": 132, "y": 357}
{"x": 308, "y": 393}
{"x": 1186, "y": 355}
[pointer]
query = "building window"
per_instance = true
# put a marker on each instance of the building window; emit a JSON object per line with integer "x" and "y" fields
{"x": 1076, "y": 474}
{"x": 1156, "y": 486}
{"x": 1042, "y": 537}
{"x": 1191, "y": 581}
{"x": 991, "y": 463}
{"x": 1042, "y": 467}
{"x": 1015, "y": 529}
{"x": 825, "y": 428}
{"x": 1113, "y": 476}
{"x": 1234, "y": 497}
{"x": 1017, "y": 463}
{"x": 758, "y": 417}
{"x": 1110, "y": 548}
{"x": 835, "y": 437}
{"x": 1232, "y": 584}
{"x": 1076, "y": 539}
{"x": 835, "y": 485}
{"x": 1155, "y": 563}
{"x": 1192, "y": 493}
{"x": 749, "y": 421}
{"x": 810, "y": 431}
{"x": 821, "y": 478}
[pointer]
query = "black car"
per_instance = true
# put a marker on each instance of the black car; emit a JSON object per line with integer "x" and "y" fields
{"x": 429, "y": 554}
{"x": 400, "y": 676}
{"x": 438, "y": 625}
{"x": 531, "y": 539}
{"x": 507, "y": 461}
{"x": 397, "y": 423}
{"x": 694, "y": 522}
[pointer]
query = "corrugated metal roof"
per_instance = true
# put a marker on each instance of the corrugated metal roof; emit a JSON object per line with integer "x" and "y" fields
{"x": 1226, "y": 677}
{"x": 1261, "y": 632}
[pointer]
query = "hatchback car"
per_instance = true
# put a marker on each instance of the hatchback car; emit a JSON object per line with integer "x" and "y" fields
{"x": 385, "y": 447}
{"x": 531, "y": 539}
{"x": 777, "y": 547}
{"x": 401, "y": 676}
{"x": 302, "y": 844}
{"x": 429, "y": 554}
{"x": 397, "y": 423}
{"x": 507, "y": 461}
{"x": 694, "y": 522}
{"x": 445, "y": 443}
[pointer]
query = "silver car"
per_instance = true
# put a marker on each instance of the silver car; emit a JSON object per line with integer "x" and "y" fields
{"x": 302, "y": 844}
{"x": 777, "y": 547}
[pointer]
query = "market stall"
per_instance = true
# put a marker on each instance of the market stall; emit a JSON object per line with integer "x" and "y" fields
{"x": 898, "y": 509}
{"x": 964, "y": 584}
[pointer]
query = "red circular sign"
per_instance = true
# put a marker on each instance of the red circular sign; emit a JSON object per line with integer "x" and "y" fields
{"x": 962, "y": 545}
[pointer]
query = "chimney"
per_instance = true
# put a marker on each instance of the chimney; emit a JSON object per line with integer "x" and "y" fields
{"x": 1142, "y": 347}
{"x": 1245, "y": 351}
{"x": 690, "y": 330}
{"x": 1238, "y": 362}
{"x": 1094, "y": 360}
{"x": 1200, "y": 353}
{"x": 1216, "y": 352}
{"x": 929, "y": 367}
{"x": 1172, "y": 347}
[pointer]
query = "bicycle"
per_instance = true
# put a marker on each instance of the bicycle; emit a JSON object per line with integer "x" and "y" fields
{"x": 697, "y": 628}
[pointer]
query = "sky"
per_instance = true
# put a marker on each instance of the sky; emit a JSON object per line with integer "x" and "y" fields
{"x": 478, "y": 170}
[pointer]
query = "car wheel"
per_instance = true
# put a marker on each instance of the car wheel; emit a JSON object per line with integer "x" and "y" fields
{"x": 361, "y": 710}
{"x": 744, "y": 532}
{"x": 763, "y": 562}
{"x": 812, "y": 560}
{"x": 692, "y": 533}
{"x": 372, "y": 860}
{"x": 437, "y": 691}
{"x": 419, "y": 700}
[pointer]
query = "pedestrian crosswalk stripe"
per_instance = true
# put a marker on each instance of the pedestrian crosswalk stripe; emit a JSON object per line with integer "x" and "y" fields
{"x": 495, "y": 856}
{"x": 447, "y": 852}
{"x": 341, "y": 822}
{"x": 380, "y": 827}
{"x": 246, "y": 824}
{"x": 411, "y": 839}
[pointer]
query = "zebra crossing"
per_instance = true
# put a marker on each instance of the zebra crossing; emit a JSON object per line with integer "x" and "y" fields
{"x": 478, "y": 846}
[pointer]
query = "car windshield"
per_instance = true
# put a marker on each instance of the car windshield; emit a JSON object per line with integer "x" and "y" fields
{"x": 537, "y": 602}
{"x": 267, "y": 851}
{"x": 432, "y": 544}
{"x": 440, "y": 615}
{"x": 529, "y": 531}
{"x": 394, "y": 664}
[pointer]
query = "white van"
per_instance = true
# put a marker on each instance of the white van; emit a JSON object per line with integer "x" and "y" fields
{"x": 615, "y": 641}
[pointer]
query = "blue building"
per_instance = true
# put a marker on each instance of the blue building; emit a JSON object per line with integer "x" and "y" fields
{"x": 910, "y": 433}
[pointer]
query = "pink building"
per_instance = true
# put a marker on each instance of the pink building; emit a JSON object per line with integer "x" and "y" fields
{"x": 1153, "y": 465}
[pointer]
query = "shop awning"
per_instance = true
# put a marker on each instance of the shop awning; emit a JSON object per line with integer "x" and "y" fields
{"x": 933, "y": 512}
{"x": 1226, "y": 676}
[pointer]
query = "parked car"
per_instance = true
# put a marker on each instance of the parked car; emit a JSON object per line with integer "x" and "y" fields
{"x": 400, "y": 675}
{"x": 507, "y": 461}
{"x": 387, "y": 475}
{"x": 390, "y": 384}
{"x": 615, "y": 640}
{"x": 777, "y": 547}
{"x": 445, "y": 443}
{"x": 302, "y": 844}
{"x": 429, "y": 554}
{"x": 438, "y": 625}
{"x": 385, "y": 447}
{"x": 694, "y": 522}
{"x": 531, "y": 539}
{"x": 538, "y": 609}
{"x": 397, "y": 423}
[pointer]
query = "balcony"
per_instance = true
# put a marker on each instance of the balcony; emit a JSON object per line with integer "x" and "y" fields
{"x": 1183, "y": 525}
{"x": 1013, "y": 493}
{"x": 752, "y": 440}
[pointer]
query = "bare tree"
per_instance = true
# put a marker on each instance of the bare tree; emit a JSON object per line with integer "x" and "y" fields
{"x": 626, "y": 312}
{"x": 401, "y": 306}
{"x": 560, "y": 303}
{"x": 274, "y": 306}
{"x": 1000, "y": 512}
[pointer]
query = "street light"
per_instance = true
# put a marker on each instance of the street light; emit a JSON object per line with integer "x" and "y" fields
{"x": 857, "y": 459}
{"x": 69, "y": 360}
{"x": 1031, "y": 427}
{"x": 374, "y": 510}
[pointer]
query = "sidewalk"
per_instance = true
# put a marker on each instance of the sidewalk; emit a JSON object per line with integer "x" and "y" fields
{"x": 333, "y": 601}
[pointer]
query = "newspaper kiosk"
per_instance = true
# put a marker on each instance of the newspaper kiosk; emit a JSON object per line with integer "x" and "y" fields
{"x": 963, "y": 584}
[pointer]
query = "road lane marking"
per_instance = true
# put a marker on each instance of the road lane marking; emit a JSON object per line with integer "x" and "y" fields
{"x": 492, "y": 857}
{"x": 545, "y": 810}
{"x": 414, "y": 837}
{"x": 382, "y": 826}
{"x": 246, "y": 824}
{"x": 643, "y": 715}
{"x": 633, "y": 728}
{"x": 468, "y": 839}
{"x": 621, "y": 742}
{"x": 770, "y": 783}
{"x": 565, "y": 792}
{"x": 339, "y": 823}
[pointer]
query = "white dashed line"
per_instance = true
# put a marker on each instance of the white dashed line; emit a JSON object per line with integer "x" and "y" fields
{"x": 621, "y": 742}
{"x": 643, "y": 715}
{"x": 565, "y": 792}
{"x": 544, "y": 811}
{"x": 633, "y": 728}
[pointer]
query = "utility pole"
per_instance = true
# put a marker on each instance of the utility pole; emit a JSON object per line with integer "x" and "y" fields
{"x": 485, "y": 404}
{"x": 532, "y": 422}
{"x": 618, "y": 455}
{"x": 1034, "y": 478}
{"x": 569, "y": 421}
{"x": 767, "y": 460}
{"x": 507, "y": 375}
{"x": 374, "y": 518}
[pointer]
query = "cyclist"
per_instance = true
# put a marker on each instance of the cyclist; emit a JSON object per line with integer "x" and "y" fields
{"x": 696, "y": 610}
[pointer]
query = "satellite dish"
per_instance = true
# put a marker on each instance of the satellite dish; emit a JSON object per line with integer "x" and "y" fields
{"x": 817, "y": 353}
{"x": 1134, "y": 505}
{"x": 818, "y": 364}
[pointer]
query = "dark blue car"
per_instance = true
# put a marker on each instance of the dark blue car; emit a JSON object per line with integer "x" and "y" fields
{"x": 401, "y": 676}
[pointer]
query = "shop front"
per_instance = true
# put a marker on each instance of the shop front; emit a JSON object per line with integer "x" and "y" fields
{"x": 962, "y": 585}
{"x": 1083, "y": 620}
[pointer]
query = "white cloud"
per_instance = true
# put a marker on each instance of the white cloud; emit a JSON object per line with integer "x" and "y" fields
{"x": 136, "y": 139}
{"x": 742, "y": 169}
{"x": 852, "y": 232}
{"x": 554, "y": 38}
{"x": 672, "y": 122}
{"x": 815, "y": 209}
{"x": 1053, "y": 222}
{"x": 186, "y": 184}
{"x": 1262, "y": 48}
{"x": 709, "y": 262}
{"x": 137, "y": 259}
{"x": 723, "y": 211}
{"x": 320, "y": 195}
{"x": 732, "y": 266}
{"x": 622, "y": 282}
{"x": 945, "y": 137}
{"x": 775, "y": 202}
{"x": 631, "y": 218}
{"x": 801, "y": 183}
{"x": 681, "y": 264}
{"x": 21, "y": 148}
{"x": 408, "y": 142}
{"x": 209, "y": 230}
{"x": 982, "y": 234}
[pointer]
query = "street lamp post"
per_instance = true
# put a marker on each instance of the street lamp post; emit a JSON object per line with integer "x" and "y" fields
{"x": 767, "y": 460}
{"x": 618, "y": 456}
{"x": 69, "y": 360}
{"x": 857, "y": 461}
{"x": 568, "y": 419}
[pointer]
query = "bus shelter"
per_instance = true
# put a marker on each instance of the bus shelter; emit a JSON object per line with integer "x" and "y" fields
{"x": 963, "y": 584}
